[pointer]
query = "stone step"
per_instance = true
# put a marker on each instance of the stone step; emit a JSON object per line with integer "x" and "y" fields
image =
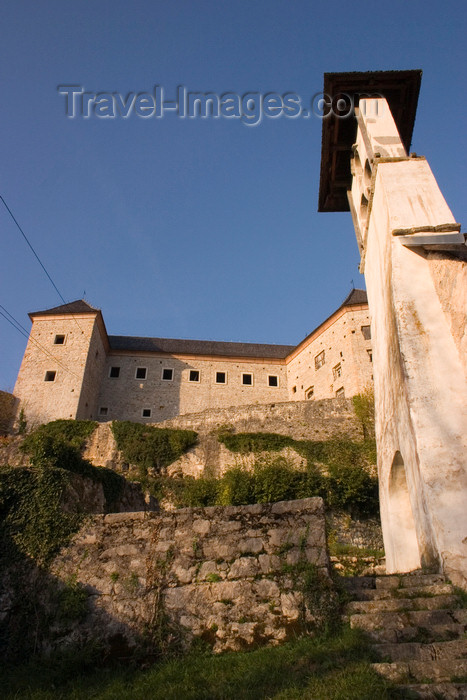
{"x": 436, "y": 691}
{"x": 426, "y": 635}
{"x": 408, "y": 580}
{"x": 450, "y": 670}
{"x": 417, "y": 651}
{"x": 439, "y": 602}
{"x": 416, "y": 626}
{"x": 357, "y": 583}
{"x": 412, "y": 592}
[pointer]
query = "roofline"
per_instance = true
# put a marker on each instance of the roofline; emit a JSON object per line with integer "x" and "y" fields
{"x": 323, "y": 327}
{"x": 401, "y": 89}
{"x": 255, "y": 359}
{"x": 39, "y": 315}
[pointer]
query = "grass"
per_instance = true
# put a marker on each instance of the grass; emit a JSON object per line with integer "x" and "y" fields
{"x": 329, "y": 668}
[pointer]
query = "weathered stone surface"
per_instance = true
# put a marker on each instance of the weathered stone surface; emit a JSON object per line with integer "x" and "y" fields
{"x": 214, "y": 572}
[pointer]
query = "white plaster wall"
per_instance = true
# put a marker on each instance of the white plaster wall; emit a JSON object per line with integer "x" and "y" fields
{"x": 420, "y": 385}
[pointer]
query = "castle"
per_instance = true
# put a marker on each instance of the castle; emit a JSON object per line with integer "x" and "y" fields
{"x": 72, "y": 368}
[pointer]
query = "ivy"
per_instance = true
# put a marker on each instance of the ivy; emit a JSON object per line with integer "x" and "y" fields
{"x": 72, "y": 432}
{"x": 32, "y": 522}
{"x": 148, "y": 447}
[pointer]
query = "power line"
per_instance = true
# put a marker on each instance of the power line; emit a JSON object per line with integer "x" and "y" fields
{"x": 37, "y": 257}
{"x": 17, "y": 326}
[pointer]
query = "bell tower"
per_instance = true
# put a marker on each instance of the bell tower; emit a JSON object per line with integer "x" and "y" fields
{"x": 414, "y": 259}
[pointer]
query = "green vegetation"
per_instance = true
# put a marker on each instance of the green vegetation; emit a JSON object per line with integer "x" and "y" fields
{"x": 32, "y": 519}
{"x": 72, "y": 432}
{"x": 151, "y": 448}
{"x": 364, "y": 407}
{"x": 331, "y": 667}
{"x": 344, "y": 482}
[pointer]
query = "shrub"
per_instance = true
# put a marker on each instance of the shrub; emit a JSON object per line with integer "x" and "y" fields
{"x": 236, "y": 488}
{"x": 364, "y": 407}
{"x": 149, "y": 447}
{"x": 254, "y": 442}
{"x": 275, "y": 481}
{"x": 351, "y": 488}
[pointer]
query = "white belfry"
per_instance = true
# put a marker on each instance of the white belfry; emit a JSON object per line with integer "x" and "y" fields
{"x": 414, "y": 260}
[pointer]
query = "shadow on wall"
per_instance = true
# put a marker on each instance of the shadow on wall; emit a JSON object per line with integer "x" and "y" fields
{"x": 144, "y": 390}
{"x": 43, "y": 614}
{"x": 8, "y": 407}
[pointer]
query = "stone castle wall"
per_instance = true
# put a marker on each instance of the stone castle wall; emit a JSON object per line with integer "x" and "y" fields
{"x": 42, "y": 400}
{"x": 125, "y": 397}
{"x": 91, "y": 381}
{"x": 223, "y": 574}
{"x": 302, "y": 420}
{"x": 347, "y": 359}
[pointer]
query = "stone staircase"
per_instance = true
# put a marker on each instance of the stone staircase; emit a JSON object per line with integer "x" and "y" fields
{"x": 418, "y": 628}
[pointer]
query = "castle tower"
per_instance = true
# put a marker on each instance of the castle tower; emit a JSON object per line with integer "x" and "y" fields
{"x": 63, "y": 363}
{"x": 414, "y": 260}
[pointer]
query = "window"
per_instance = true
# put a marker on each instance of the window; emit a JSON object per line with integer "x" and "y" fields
{"x": 320, "y": 360}
{"x": 366, "y": 332}
{"x": 370, "y": 355}
{"x": 294, "y": 390}
{"x": 221, "y": 378}
{"x": 247, "y": 379}
{"x": 309, "y": 393}
{"x": 167, "y": 374}
{"x": 103, "y": 411}
{"x": 146, "y": 413}
{"x": 340, "y": 393}
{"x": 337, "y": 371}
{"x": 59, "y": 340}
{"x": 273, "y": 380}
{"x": 114, "y": 372}
{"x": 50, "y": 376}
{"x": 194, "y": 375}
{"x": 140, "y": 373}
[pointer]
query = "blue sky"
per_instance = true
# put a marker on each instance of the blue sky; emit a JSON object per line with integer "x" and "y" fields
{"x": 199, "y": 228}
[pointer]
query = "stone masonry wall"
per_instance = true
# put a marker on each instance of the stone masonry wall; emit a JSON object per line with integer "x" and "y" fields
{"x": 42, "y": 400}
{"x": 224, "y": 574}
{"x": 302, "y": 420}
{"x": 347, "y": 359}
{"x": 124, "y": 397}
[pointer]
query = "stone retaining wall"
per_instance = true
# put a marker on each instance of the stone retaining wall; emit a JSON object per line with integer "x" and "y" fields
{"x": 232, "y": 576}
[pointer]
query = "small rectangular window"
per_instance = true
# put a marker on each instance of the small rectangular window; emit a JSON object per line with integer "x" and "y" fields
{"x": 273, "y": 380}
{"x": 247, "y": 379}
{"x": 337, "y": 371}
{"x": 146, "y": 413}
{"x": 340, "y": 393}
{"x": 309, "y": 393}
{"x": 370, "y": 355}
{"x": 103, "y": 411}
{"x": 294, "y": 390}
{"x": 194, "y": 375}
{"x": 59, "y": 340}
{"x": 114, "y": 372}
{"x": 221, "y": 378}
{"x": 167, "y": 374}
{"x": 50, "y": 376}
{"x": 366, "y": 332}
{"x": 140, "y": 373}
{"x": 320, "y": 359}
